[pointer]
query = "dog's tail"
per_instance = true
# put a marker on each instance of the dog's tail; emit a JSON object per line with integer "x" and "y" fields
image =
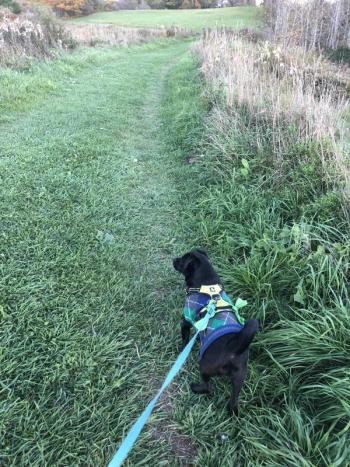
{"x": 243, "y": 339}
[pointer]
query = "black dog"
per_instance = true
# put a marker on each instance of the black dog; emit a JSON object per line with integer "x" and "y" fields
{"x": 228, "y": 354}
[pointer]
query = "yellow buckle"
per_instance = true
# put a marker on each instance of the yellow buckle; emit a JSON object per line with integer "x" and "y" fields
{"x": 211, "y": 289}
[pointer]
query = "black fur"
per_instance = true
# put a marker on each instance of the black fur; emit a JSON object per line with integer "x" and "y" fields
{"x": 228, "y": 355}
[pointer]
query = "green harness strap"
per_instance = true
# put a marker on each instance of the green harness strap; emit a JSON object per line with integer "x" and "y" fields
{"x": 213, "y": 306}
{"x": 237, "y": 306}
{"x": 202, "y": 323}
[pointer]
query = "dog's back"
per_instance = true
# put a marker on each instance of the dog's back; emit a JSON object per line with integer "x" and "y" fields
{"x": 229, "y": 351}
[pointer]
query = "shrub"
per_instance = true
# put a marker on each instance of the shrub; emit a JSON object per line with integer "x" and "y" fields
{"x": 11, "y": 5}
{"x": 33, "y": 34}
{"x": 67, "y": 7}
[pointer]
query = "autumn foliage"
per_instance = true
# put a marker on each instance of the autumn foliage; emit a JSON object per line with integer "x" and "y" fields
{"x": 86, "y": 7}
{"x": 73, "y": 7}
{"x": 70, "y": 7}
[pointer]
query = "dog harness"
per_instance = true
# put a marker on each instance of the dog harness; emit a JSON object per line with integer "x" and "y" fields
{"x": 226, "y": 318}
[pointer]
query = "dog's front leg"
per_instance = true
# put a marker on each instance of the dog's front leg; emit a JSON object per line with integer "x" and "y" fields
{"x": 185, "y": 332}
{"x": 203, "y": 387}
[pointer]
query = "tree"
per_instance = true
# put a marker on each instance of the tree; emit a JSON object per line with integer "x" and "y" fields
{"x": 187, "y": 4}
{"x": 73, "y": 7}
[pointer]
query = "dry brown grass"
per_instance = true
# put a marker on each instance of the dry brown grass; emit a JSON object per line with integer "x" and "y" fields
{"x": 295, "y": 94}
{"x": 92, "y": 34}
{"x": 35, "y": 33}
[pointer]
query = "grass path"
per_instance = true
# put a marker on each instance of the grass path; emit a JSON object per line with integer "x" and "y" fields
{"x": 89, "y": 302}
{"x": 95, "y": 199}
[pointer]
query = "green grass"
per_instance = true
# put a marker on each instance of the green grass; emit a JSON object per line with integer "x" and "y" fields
{"x": 286, "y": 250}
{"x": 90, "y": 221}
{"x": 96, "y": 198}
{"x": 236, "y": 17}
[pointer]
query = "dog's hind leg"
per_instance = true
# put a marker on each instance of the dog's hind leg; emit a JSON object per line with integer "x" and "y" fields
{"x": 237, "y": 378}
{"x": 203, "y": 387}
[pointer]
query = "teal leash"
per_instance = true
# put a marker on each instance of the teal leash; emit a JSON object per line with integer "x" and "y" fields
{"x": 135, "y": 430}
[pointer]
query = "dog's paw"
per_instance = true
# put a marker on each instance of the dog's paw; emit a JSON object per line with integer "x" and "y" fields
{"x": 232, "y": 410}
{"x": 200, "y": 388}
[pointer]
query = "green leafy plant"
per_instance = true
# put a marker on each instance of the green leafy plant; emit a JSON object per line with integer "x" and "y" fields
{"x": 245, "y": 168}
{"x": 12, "y": 5}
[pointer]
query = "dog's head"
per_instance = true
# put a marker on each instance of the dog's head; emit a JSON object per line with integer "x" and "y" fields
{"x": 196, "y": 268}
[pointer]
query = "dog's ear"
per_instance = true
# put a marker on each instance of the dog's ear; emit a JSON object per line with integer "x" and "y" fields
{"x": 184, "y": 263}
{"x": 201, "y": 251}
{"x": 187, "y": 261}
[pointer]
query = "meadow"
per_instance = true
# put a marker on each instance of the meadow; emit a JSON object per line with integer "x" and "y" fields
{"x": 237, "y": 17}
{"x": 113, "y": 160}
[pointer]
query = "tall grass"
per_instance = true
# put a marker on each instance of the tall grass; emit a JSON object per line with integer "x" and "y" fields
{"x": 277, "y": 233}
{"x": 92, "y": 34}
{"x": 289, "y": 98}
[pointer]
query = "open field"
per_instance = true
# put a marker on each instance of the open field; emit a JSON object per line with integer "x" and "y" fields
{"x": 237, "y": 17}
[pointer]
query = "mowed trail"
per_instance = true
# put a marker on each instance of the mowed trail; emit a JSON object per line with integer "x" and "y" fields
{"x": 90, "y": 219}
